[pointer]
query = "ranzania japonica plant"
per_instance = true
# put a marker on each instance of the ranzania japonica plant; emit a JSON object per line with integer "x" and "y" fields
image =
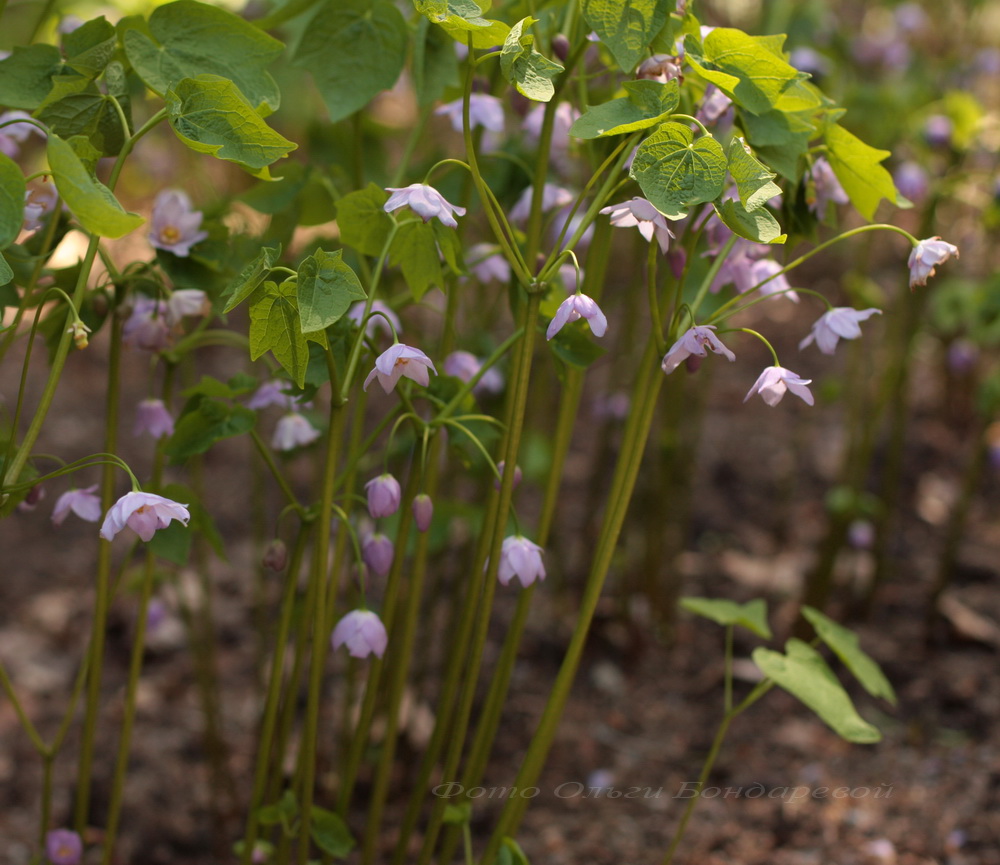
{"x": 489, "y": 249}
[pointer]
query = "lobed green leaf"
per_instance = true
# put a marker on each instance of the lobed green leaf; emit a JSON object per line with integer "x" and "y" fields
{"x": 462, "y": 18}
{"x": 753, "y": 178}
{"x": 26, "y": 76}
{"x": 6, "y": 274}
{"x": 205, "y": 422}
{"x": 751, "y": 615}
{"x": 647, "y": 104}
{"x": 250, "y": 277}
{"x": 274, "y": 327}
{"x": 364, "y": 225}
{"x": 414, "y": 250}
{"x": 91, "y": 47}
{"x": 759, "y": 225}
{"x": 524, "y": 67}
{"x": 627, "y": 27}
{"x": 326, "y": 289}
{"x": 858, "y": 168}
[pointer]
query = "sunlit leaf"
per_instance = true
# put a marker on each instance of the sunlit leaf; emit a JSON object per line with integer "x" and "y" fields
{"x": 751, "y": 615}
{"x": 12, "y": 189}
{"x": 647, "y": 103}
{"x": 524, "y": 67}
{"x": 627, "y": 27}
{"x": 461, "y": 19}
{"x": 858, "y": 168}
{"x": 759, "y": 225}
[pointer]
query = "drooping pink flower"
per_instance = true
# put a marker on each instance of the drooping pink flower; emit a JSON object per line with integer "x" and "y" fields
{"x": 63, "y": 847}
{"x": 694, "y": 341}
{"x": 423, "y": 511}
{"x": 362, "y": 632}
{"x": 835, "y": 324}
{"x": 175, "y": 226}
{"x": 520, "y": 558}
{"x": 15, "y": 133}
{"x": 566, "y": 115}
{"x": 775, "y": 380}
{"x": 293, "y": 431}
{"x": 826, "y": 188}
{"x": 553, "y": 197}
{"x": 376, "y": 322}
{"x": 147, "y": 326}
{"x": 186, "y": 301}
{"x": 484, "y": 110}
{"x": 501, "y": 468}
{"x": 400, "y": 360}
{"x": 152, "y": 417}
{"x": 39, "y": 202}
{"x": 377, "y": 552}
{"x": 486, "y": 263}
{"x": 776, "y": 283}
{"x": 659, "y": 67}
{"x": 144, "y": 513}
{"x": 713, "y": 106}
{"x": 464, "y": 365}
{"x": 83, "y": 503}
{"x": 926, "y": 256}
{"x": 425, "y": 201}
{"x": 574, "y": 307}
{"x": 383, "y": 496}
{"x": 272, "y": 393}
{"x": 641, "y": 214}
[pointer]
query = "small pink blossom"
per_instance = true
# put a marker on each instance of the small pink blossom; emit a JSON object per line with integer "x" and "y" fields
{"x": 487, "y": 264}
{"x": 270, "y": 393}
{"x": 376, "y": 322}
{"x": 144, "y": 513}
{"x": 841, "y": 322}
{"x": 464, "y": 366}
{"x": 694, "y": 341}
{"x": 175, "y": 226}
{"x": 383, "y": 496}
{"x": 641, "y": 214}
{"x": 912, "y": 181}
{"x": 377, "y": 552}
{"x": 713, "y": 106}
{"x": 152, "y": 417}
{"x": 574, "y": 307}
{"x": 553, "y": 198}
{"x": 293, "y": 431}
{"x": 39, "y": 202}
{"x": 184, "y": 302}
{"x": 83, "y": 503}
{"x": 147, "y": 326}
{"x": 767, "y": 277}
{"x": 659, "y": 67}
{"x": 423, "y": 511}
{"x": 518, "y": 474}
{"x": 425, "y": 201}
{"x": 397, "y": 361}
{"x": 826, "y": 188}
{"x": 31, "y": 499}
{"x": 484, "y": 110}
{"x": 15, "y": 133}
{"x": 520, "y": 558}
{"x": 362, "y": 632}
{"x": 565, "y": 116}
{"x": 775, "y": 380}
{"x": 63, "y": 847}
{"x": 926, "y": 256}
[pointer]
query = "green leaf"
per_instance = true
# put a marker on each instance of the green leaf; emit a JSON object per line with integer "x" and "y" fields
{"x": 353, "y": 49}
{"x": 753, "y": 178}
{"x": 364, "y": 225}
{"x": 250, "y": 277}
{"x": 859, "y": 170}
{"x": 172, "y": 543}
{"x": 524, "y": 67}
{"x": 194, "y": 39}
{"x": 845, "y": 646}
{"x": 459, "y": 18}
{"x": 274, "y": 327}
{"x": 751, "y": 615}
{"x": 203, "y": 424}
{"x": 330, "y": 832}
{"x": 746, "y": 68}
{"x": 326, "y": 289}
{"x": 212, "y": 387}
{"x": 76, "y": 106}
{"x": 12, "y": 189}
{"x": 675, "y": 171}
{"x": 805, "y": 675}
{"x": 89, "y": 200}
{"x": 574, "y": 347}
{"x": 210, "y": 115}
{"x": 647, "y": 103}
{"x": 6, "y": 274}
{"x": 782, "y": 139}
{"x": 457, "y": 815}
{"x": 91, "y": 47}
{"x": 627, "y": 27}
{"x": 414, "y": 250}
{"x": 26, "y": 76}
{"x": 759, "y": 226}
{"x": 511, "y": 853}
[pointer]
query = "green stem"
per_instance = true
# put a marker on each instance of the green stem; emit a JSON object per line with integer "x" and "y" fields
{"x": 268, "y": 458}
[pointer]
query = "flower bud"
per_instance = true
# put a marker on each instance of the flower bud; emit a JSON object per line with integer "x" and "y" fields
{"x": 275, "y": 556}
{"x": 560, "y": 46}
{"x": 383, "y": 496}
{"x": 378, "y": 553}
{"x": 500, "y": 469}
{"x": 423, "y": 511}
{"x": 79, "y": 331}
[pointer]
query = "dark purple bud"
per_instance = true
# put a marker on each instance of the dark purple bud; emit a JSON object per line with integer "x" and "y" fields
{"x": 560, "y": 46}
{"x": 276, "y": 555}
{"x": 521, "y": 104}
{"x": 693, "y": 363}
{"x": 378, "y": 553}
{"x": 677, "y": 259}
{"x": 31, "y": 500}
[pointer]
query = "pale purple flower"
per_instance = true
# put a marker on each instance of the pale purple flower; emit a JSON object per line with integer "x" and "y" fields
{"x": 713, "y": 106}
{"x": 144, "y": 513}
{"x": 487, "y": 263}
{"x": 31, "y": 499}
{"x": 574, "y": 307}
{"x": 912, "y": 181}
{"x": 423, "y": 511}
{"x": 83, "y": 503}
{"x": 400, "y": 360}
{"x": 147, "y": 326}
{"x": 362, "y": 632}
{"x": 768, "y": 269}
{"x": 464, "y": 365}
{"x": 861, "y": 534}
{"x": 565, "y": 116}
{"x": 63, "y": 847}
{"x": 910, "y": 17}
{"x": 376, "y": 322}
{"x": 774, "y": 381}
{"x": 293, "y": 431}
{"x": 484, "y": 110}
{"x": 175, "y": 225}
{"x": 15, "y": 134}
{"x": 501, "y": 466}
{"x": 186, "y": 301}
{"x": 553, "y": 197}
{"x": 925, "y": 257}
{"x": 275, "y": 555}
{"x": 963, "y": 355}
{"x": 520, "y": 558}
{"x": 659, "y": 67}
{"x": 156, "y": 614}
{"x": 612, "y": 406}
{"x": 383, "y": 496}
{"x": 39, "y": 202}
{"x": 835, "y": 324}
{"x": 69, "y": 23}
{"x": 571, "y": 276}
{"x": 270, "y": 393}
{"x": 694, "y": 341}
{"x": 809, "y": 60}
{"x": 639, "y": 213}
{"x": 826, "y": 187}
{"x": 938, "y": 130}
{"x": 377, "y": 552}
{"x": 737, "y": 268}
{"x": 425, "y": 201}
{"x": 152, "y": 417}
